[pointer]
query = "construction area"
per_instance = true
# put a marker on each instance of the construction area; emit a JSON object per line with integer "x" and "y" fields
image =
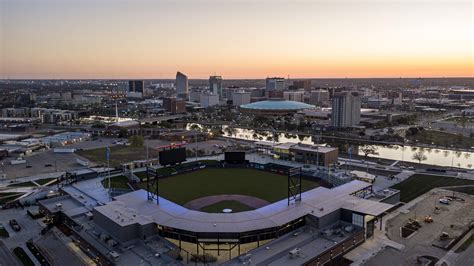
{"x": 428, "y": 229}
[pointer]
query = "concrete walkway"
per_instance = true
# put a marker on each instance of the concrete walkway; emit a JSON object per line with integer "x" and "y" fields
{"x": 371, "y": 247}
{"x": 451, "y": 256}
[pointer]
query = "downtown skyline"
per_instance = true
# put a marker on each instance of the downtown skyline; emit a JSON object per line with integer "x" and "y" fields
{"x": 237, "y": 39}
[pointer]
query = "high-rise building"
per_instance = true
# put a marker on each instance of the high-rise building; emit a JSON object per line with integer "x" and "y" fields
{"x": 136, "y": 89}
{"x": 240, "y": 97}
{"x": 174, "y": 105}
{"x": 275, "y": 83}
{"x": 195, "y": 94}
{"x": 181, "y": 85}
{"x": 208, "y": 100}
{"x": 297, "y": 96}
{"x": 215, "y": 85}
{"x": 302, "y": 84}
{"x": 345, "y": 109}
{"x": 319, "y": 97}
{"x": 136, "y": 86}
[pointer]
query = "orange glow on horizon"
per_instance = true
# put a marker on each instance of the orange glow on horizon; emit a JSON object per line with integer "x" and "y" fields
{"x": 235, "y": 39}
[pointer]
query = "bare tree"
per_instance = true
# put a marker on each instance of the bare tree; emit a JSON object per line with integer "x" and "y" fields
{"x": 369, "y": 150}
{"x": 419, "y": 156}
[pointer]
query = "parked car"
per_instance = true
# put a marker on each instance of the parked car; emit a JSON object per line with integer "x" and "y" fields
{"x": 444, "y": 201}
{"x": 14, "y": 224}
{"x": 48, "y": 165}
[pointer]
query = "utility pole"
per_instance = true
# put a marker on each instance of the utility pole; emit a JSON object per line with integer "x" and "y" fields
{"x": 107, "y": 153}
{"x": 196, "y": 138}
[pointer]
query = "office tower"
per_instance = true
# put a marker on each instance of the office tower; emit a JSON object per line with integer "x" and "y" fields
{"x": 319, "y": 97}
{"x": 136, "y": 86}
{"x": 275, "y": 83}
{"x": 194, "y": 95}
{"x": 174, "y": 106}
{"x": 297, "y": 96}
{"x": 215, "y": 85}
{"x": 240, "y": 98}
{"x": 345, "y": 109}
{"x": 208, "y": 100}
{"x": 302, "y": 84}
{"x": 181, "y": 85}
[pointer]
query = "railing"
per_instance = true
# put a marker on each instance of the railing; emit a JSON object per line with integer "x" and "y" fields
{"x": 337, "y": 250}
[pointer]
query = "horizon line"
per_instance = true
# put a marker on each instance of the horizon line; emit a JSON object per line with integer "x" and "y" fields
{"x": 223, "y": 78}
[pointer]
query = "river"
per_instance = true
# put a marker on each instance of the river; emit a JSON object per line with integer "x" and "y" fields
{"x": 434, "y": 156}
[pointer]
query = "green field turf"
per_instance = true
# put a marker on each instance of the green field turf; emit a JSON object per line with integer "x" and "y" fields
{"x": 234, "y": 205}
{"x": 22, "y": 184}
{"x": 118, "y": 154}
{"x": 44, "y": 180}
{"x": 116, "y": 182}
{"x": 419, "y": 184}
{"x": 183, "y": 188}
{"x": 8, "y": 196}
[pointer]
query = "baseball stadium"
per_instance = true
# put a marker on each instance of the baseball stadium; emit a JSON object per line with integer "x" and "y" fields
{"x": 231, "y": 208}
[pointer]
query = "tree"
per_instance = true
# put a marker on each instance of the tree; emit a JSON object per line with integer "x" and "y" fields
{"x": 123, "y": 133}
{"x": 419, "y": 156}
{"x": 369, "y": 150}
{"x": 231, "y": 131}
{"x": 136, "y": 141}
{"x": 195, "y": 127}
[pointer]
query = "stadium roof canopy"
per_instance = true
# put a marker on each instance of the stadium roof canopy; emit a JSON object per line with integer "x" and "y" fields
{"x": 133, "y": 208}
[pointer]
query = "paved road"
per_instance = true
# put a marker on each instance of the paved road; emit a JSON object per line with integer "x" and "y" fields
{"x": 7, "y": 258}
{"x": 466, "y": 258}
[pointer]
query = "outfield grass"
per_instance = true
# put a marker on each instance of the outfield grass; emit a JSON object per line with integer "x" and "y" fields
{"x": 118, "y": 154}
{"x": 236, "y": 206}
{"x": 185, "y": 187}
{"x": 117, "y": 182}
{"x": 419, "y": 184}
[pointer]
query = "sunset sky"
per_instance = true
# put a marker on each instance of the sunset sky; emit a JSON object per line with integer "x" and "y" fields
{"x": 82, "y": 39}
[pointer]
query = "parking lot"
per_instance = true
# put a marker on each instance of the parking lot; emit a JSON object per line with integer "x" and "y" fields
{"x": 41, "y": 163}
{"x": 29, "y": 228}
{"x": 452, "y": 219}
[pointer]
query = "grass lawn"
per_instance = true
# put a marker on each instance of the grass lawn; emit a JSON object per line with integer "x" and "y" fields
{"x": 44, "y": 180}
{"x": 419, "y": 184}
{"x": 117, "y": 182}
{"x": 4, "y": 232}
{"x": 227, "y": 204}
{"x": 185, "y": 187}
{"x": 118, "y": 154}
{"x": 21, "y": 254}
{"x": 442, "y": 139}
{"x": 466, "y": 244}
{"x": 23, "y": 184}
{"x": 6, "y": 197}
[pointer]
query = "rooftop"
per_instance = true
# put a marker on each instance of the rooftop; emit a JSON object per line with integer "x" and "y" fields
{"x": 132, "y": 208}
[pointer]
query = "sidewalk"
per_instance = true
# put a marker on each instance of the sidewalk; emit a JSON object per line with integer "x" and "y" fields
{"x": 451, "y": 256}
